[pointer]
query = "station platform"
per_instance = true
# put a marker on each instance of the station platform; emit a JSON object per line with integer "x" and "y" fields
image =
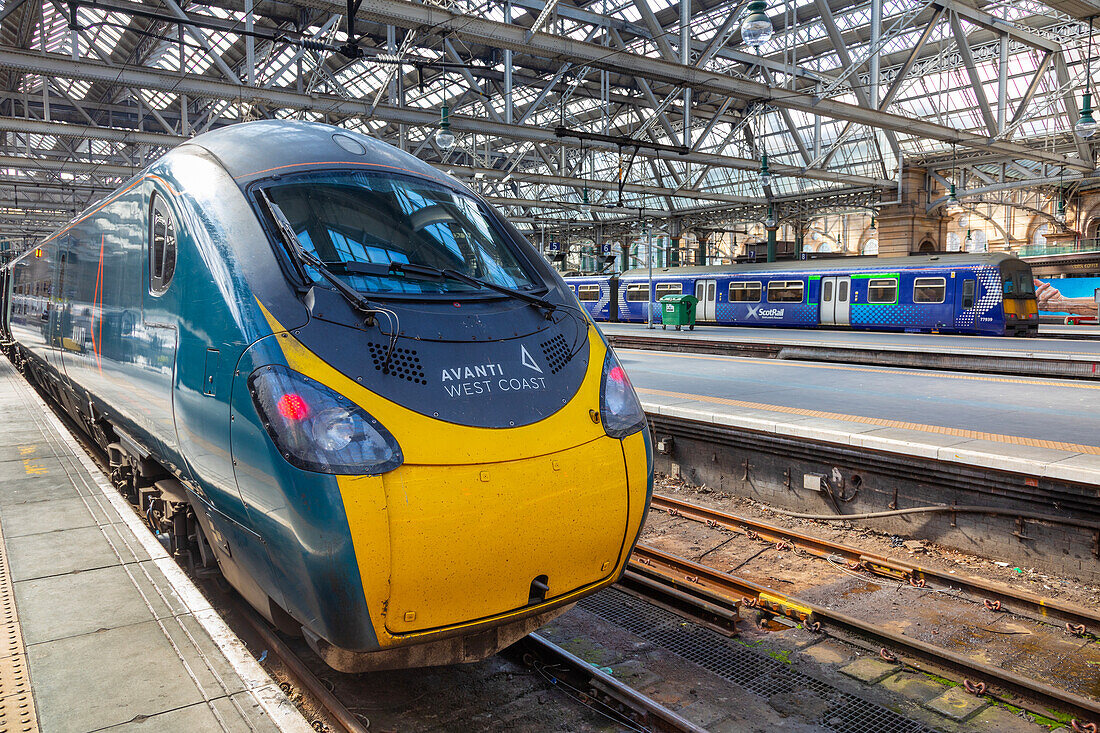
{"x": 1041, "y": 427}
{"x": 101, "y": 629}
{"x": 1019, "y": 455}
{"x": 1057, "y": 352}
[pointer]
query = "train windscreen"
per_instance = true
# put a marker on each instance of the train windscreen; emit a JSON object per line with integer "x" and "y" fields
{"x": 1017, "y": 283}
{"x": 370, "y": 218}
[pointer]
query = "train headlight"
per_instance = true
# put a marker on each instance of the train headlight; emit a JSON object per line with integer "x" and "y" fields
{"x": 318, "y": 429}
{"x": 620, "y": 410}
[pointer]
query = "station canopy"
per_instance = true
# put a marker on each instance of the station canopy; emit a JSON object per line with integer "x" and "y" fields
{"x": 565, "y": 110}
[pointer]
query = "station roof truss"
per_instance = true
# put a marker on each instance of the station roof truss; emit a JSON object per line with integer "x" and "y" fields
{"x": 649, "y": 108}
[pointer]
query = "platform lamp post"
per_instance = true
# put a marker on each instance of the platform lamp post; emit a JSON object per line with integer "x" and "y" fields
{"x": 649, "y": 291}
{"x": 1086, "y": 125}
{"x": 771, "y": 225}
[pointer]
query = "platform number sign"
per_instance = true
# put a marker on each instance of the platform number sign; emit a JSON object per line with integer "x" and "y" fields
{"x": 554, "y": 247}
{"x": 606, "y": 250}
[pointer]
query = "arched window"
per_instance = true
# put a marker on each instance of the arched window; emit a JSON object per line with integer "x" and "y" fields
{"x": 1039, "y": 237}
{"x": 954, "y": 242}
{"x": 978, "y": 241}
{"x": 870, "y": 247}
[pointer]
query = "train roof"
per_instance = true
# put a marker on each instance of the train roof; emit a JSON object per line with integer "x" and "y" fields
{"x": 260, "y": 149}
{"x": 838, "y": 263}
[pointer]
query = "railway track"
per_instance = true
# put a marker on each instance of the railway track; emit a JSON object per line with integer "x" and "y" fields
{"x": 697, "y": 580}
{"x": 618, "y": 702}
{"x": 1080, "y": 620}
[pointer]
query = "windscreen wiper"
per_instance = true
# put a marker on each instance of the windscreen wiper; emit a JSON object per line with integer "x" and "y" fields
{"x": 428, "y": 272}
{"x": 304, "y": 259}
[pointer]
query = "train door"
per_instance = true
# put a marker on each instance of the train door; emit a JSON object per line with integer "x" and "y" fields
{"x": 707, "y": 293}
{"x": 156, "y": 335}
{"x": 836, "y": 299}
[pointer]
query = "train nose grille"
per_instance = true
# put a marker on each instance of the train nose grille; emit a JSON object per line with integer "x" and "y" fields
{"x": 556, "y": 352}
{"x": 404, "y": 363}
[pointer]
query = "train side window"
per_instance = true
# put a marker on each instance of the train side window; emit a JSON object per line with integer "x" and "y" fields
{"x": 929, "y": 289}
{"x": 162, "y": 245}
{"x": 785, "y": 291}
{"x": 588, "y": 293}
{"x": 664, "y": 289}
{"x": 968, "y": 293}
{"x": 882, "y": 290}
{"x": 745, "y": 292}
{"x": 636, "y": 293}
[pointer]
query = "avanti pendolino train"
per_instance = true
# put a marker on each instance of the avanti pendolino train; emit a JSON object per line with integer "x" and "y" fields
{"x": 344, "y": 379}
{"x": 983, "y": 294}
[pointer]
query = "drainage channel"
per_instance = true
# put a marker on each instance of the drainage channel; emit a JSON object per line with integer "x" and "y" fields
{"x": 749, "y": 669}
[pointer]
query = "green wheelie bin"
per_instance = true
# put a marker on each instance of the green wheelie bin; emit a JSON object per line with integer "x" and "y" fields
{"x": 678, "y": 310}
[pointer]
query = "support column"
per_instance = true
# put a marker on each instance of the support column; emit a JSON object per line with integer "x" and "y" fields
{"x": 771, "y": 243}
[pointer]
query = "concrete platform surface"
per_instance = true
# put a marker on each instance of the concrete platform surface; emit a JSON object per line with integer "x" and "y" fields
{"x": 1068, "y": 345}
{"x": 106, "y": 632}
{"x": 1036, "y": 426}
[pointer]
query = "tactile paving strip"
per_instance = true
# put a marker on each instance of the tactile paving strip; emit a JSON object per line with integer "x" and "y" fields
{"x": 16, "y": 701}
{"x": 747, "y": 668}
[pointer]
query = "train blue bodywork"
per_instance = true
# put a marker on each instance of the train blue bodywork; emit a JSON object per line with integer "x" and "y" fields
{"x": 982, "y": 294}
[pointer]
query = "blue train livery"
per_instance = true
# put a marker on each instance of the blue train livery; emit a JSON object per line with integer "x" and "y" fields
{"x": 982, "y": 294}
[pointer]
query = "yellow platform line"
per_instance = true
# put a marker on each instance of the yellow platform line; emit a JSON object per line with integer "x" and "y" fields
{"x": 1068, "y": 383}
{"x": 883, "y": 422}
{"x": 860, "y": 345}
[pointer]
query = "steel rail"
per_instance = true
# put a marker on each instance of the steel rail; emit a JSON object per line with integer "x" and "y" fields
{"x": 685, "y": 574}
{"x": 300, "y": 671}
{"x": 652, "y": 715}
{"x": 991, "y": 595}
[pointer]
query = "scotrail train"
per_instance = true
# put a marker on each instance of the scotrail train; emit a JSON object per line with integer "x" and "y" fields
{"x": 988, "y": 294}
{"x": 345, "y": 380}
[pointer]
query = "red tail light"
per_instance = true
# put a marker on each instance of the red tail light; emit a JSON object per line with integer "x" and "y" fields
{"x": 293, "y": 407}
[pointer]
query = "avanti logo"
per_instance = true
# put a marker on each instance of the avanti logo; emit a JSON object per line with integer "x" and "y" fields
{"x": 528, "y": 361}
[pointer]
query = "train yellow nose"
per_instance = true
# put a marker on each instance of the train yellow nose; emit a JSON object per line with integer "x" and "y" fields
{"x": 442, "y": 546}
{"x": 471, "y": 542}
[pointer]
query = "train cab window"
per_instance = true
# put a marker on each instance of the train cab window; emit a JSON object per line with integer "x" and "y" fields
{"x": 588, "y": 293}
{"x": 664, "y": 289}
{"x": 1024, "y": 284}
{"x": 360, "y": 223}
{"x": 884, "y": 290}
{"x": 969, "y": 287}
{"x": 162, "y": 245}
{"x": 635, "y": 293}
{"x": 745, "y": 292}
{"x": 785, "y": 291}
{"x": 929, "y": 289}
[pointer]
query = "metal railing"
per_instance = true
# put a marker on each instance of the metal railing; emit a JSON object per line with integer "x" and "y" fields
{"x": 1080, "y": 246}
